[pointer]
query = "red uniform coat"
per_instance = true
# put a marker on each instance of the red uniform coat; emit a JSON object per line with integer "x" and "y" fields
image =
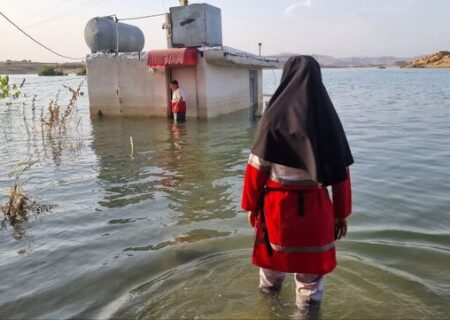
{"x": 300, "y": 227}
{"x": 179, "y": 106}
{"x": 178, "y": 102}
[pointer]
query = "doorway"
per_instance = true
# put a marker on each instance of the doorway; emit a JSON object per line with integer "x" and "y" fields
{"x": 186, "y": 77}
{"x": 253, "y": 85}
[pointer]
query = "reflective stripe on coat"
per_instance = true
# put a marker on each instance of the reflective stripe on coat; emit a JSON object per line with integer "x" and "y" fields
{"x": 301, "y": 233}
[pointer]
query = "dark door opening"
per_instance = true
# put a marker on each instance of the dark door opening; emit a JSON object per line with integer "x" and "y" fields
{"x": 253, "y": 78}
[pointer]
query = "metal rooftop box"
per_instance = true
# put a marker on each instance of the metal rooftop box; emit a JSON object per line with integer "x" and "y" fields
{"x": 196, "y": 25}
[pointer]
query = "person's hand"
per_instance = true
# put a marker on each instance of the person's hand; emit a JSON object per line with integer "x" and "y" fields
{"x": 251, "y": 219}
{"x": 340, "y": 228}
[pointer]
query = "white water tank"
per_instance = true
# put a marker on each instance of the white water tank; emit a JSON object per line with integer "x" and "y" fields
{"x": 102, "y": 34}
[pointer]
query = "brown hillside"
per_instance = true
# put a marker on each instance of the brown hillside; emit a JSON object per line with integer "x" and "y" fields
{"x": 439, "y": 59}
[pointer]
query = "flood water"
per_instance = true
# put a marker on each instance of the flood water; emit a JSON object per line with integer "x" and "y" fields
{"x": 159, "y": 233}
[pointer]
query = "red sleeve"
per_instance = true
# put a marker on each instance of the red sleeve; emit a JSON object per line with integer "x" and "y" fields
{"x": 254, "y": 182}
{"x": 342, "y": 198}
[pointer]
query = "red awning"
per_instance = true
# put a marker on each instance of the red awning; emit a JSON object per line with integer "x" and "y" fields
{"x": 172, "y": 57}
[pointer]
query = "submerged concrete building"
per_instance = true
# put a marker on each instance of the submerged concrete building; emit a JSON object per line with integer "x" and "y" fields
{"x": 215, "y": 79}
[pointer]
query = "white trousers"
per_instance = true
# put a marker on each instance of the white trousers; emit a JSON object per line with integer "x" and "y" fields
{"x": 308, "y": 287}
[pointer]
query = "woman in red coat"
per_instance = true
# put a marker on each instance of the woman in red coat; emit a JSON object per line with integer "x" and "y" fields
{"x": 300, "y": 149}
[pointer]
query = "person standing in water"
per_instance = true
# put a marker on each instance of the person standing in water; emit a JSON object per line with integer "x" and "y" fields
{"x": 300, "y": 148}
{"x": 178, "y": 102}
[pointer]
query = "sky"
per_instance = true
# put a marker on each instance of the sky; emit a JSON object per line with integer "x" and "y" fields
{"x": 340, "y": 28}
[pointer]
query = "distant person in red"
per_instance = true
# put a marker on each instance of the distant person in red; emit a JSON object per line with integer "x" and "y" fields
{"x": 178, "y": 102}
{"x": 299, "y": 150}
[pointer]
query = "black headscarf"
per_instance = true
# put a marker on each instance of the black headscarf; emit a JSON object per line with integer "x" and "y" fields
{"x": 300, "y": 127}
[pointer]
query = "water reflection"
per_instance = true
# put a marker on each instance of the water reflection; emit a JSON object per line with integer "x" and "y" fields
{"x": 187, "y": 164}
{"x": 190, "y": 237}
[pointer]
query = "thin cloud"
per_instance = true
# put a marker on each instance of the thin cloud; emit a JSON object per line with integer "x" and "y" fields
{"x": 302, "y": 4}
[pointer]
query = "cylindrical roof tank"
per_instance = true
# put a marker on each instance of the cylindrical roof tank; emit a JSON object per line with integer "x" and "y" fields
{"x": 100, "y": 34}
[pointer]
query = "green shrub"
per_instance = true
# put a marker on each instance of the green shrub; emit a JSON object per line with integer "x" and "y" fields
{"x": 82, "y": 72}
{"x": 51, "y": 71}
{"x": 9, "y": 91}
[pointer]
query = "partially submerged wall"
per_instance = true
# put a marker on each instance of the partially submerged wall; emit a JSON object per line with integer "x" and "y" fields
{"x": 123, "y": 85}
{"x": 227, "y": 88}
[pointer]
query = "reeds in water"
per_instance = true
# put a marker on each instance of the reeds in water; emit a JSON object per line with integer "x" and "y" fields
{"x": 15, "y": 209}
{"x": 57, "y": 123}
{"x": 18, "y": 207}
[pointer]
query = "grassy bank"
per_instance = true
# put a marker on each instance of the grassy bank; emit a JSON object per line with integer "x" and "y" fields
{"x": 28, "y": 67}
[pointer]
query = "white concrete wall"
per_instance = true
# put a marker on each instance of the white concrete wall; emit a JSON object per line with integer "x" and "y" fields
{"x": 226, "y": 88}
{"x": 123, "y": 85}
{"x": 202, "y": 102}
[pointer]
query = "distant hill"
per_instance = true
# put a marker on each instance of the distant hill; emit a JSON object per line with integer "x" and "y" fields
{"x": 332, "y": 62}
{"x": 439, "y": 59}
{"x": 386, "y": 61}
{"x": 29, "y": 67}
{"x": 325, "y": 61}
